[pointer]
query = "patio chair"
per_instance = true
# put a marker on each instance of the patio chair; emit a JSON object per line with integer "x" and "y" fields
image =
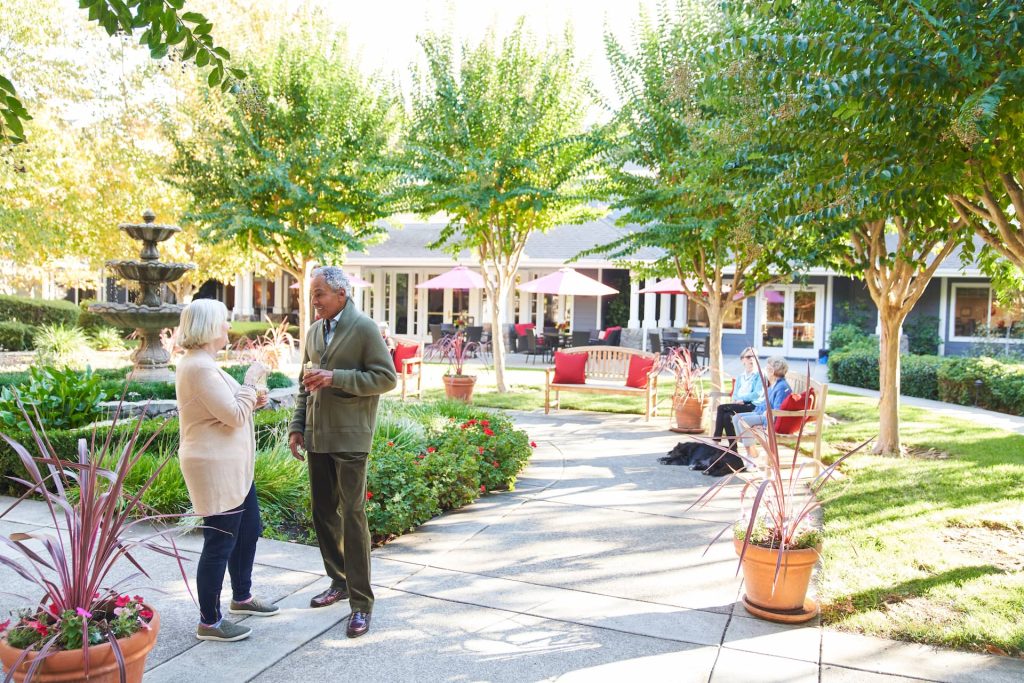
{"x": 581, "y": 338}
{"x": 528, "y": 342}
{"x": 654, "y": 342}
{"x": 433, "y": 348}
{"x": 475, "y": 334}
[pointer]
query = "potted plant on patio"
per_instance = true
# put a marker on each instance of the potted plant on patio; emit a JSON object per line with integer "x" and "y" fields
{"x": 82, "y": 627}
{"x": 456, "y": 350}
{"x": 775, "y": 538}
{"x": 688, "y": 399}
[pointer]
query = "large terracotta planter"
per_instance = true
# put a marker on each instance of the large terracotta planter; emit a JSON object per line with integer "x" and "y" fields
{"x": 689, "y": 415}
{"x": 68, "y": 666}
{"x": 788, "y": 602}
{"x": 459, "y": 387}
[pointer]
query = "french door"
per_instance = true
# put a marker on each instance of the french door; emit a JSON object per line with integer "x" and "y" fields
{"x": 791, "y": 320}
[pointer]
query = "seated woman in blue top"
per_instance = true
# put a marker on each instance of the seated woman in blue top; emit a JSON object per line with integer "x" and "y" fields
{"x": 747, "y": 394}
{"x": 775, "y": 370}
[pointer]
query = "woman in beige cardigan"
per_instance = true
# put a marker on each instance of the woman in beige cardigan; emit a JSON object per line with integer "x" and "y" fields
{"x": 217, "y": 453}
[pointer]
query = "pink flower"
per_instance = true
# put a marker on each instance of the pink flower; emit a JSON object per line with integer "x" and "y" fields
{"x": 138, "y": 598}
{"x": 495, "y": 463}
{"x": 85, "y": 614}
{"x": 488, "y": 432}
{"x": 38, "y": 627}
{"x": 483, "y": 489}
{"x": 4, "y": 625}
{"x": 431, "y": 449}
{"x": 533, "y": 444}
{"x": 369, "y": 495}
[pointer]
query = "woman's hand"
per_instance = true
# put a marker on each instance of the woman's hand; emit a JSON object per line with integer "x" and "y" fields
{"x": 261, "y": 399}
{"x": 256, "y": 373}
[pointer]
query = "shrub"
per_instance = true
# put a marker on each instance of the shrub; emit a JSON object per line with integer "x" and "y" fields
{"x": 919, "y": 376}
{"x": 850, "y": 337}
{"x": 58, "y": 398}
{"x": 15, "y": 336}
{"x": 275, "y": 380}
{"x": 452, "y": 471}
{"x": 61, "y": 346}
{"x": 1001, "y": 384}
{"x": 38, "y": 311}
{"x": 254, "y": 330}
{"x": 922, "y": 334}
{"x": 398, "y": 495}
{"x": 107, "y": 339}
{"x": 855, "y": 368}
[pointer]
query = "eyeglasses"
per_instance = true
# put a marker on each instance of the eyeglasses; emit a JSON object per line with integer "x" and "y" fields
{"x": 746, "y": 357}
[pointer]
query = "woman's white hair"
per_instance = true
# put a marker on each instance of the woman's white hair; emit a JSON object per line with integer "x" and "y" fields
{"x": 334, "y": 277}
{"x": 201, "y": 322}
{"x": 776, "y": 366}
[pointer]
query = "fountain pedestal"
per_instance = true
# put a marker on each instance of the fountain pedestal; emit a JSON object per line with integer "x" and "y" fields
{"x": 150, "y": 317}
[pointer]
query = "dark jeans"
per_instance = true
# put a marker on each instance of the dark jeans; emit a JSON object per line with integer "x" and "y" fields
{"x": 337, "y": 485}
{"x": 229, "y": 541}
{"x": 723, "y": 420}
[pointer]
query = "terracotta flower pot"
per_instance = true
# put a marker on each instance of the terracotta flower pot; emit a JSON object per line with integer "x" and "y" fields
{"x": 68, "y": 666}
{"x": 689, "y": 414}
{"x": 459, "y": 387}
{"x": 788, "y": 602}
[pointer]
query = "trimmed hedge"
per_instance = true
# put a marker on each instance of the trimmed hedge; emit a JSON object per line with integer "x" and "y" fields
{"x": 16, "y": 336}
{"x": 940, "y": 378}
{"x": 38, "y": 311}
{"x": 254, "y": 330}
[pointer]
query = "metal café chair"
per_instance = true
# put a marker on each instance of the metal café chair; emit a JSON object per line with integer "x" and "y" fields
{"x": 580, "y": 339}
{"x": 654, "y": 341}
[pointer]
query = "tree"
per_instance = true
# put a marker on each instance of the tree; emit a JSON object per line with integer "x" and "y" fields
{"x": 498, "y": 144}
{"x": 685, "y": 174}
{"x": 845, "y": 105}
{"x": 294, "y": 166}
{"x": 166, "y": 27}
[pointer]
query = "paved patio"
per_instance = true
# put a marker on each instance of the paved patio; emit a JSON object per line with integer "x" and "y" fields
{"x": 591, "y": 570}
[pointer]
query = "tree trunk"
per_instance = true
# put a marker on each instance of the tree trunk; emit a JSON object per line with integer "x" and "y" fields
{"x": 715, "y": 360}
{"x": 303, "y": 277}
{"x": 888, "y": 442}
{"x": 498, "y": 293}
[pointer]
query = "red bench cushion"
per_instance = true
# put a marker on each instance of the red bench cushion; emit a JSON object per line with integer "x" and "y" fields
{"x": 570, "y": 368}
{"x": 403, "y": 352}
{"x": 791, "y": 425}
{"x": 639, "y": 368}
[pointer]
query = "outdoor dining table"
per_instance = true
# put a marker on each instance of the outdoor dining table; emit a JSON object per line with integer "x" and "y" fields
{"x": 697, "y": 346}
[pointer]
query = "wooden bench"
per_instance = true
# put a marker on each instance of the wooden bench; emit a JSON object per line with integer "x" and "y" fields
{"x": 815, "y": 422}
{"x": 412, "y": 368}
{"x": 606, "y": 363}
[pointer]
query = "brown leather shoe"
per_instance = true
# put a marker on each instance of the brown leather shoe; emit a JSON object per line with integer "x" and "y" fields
{"x": 358, "y": 624}
{"x": 329, "y": 597}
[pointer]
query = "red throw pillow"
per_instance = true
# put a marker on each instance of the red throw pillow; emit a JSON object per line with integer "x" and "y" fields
{"x": 791, "y": 425}
{"x": 639, "y": 368}
{"x": 403, "y": 352}
{"x": 570, "y": 368}
{"x": 522, "y": 328}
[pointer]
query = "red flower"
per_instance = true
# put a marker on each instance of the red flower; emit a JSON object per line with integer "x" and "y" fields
{"x": 483, "y": 489}
{"x": 485, "y": 423}
{"x": 471, "y": 422}
{"x": 146, "y": 614}
{"x": 488, "y": 432}
{"x": 533, "y": 444}
{"x": 122, "y": 600}
{"x": 38, "y": 627}
{"x": 369, "y": 495}
{"x": 4, "y": 625}
{"x": 481, "y": 450}
{"x": 465, "y": 426}
{"x": 431, "y": 449}
{"x": 495, "y": 463}
{"x": 52, "y": 609}
{"x": 138, "y": 599}
{"x": 391, "y": 443}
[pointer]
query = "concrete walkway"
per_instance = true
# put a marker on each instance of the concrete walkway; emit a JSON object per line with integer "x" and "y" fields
{"x": 593, "y": 569}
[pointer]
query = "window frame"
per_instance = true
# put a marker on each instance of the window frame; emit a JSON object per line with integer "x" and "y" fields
{"x": 952, "y": 315}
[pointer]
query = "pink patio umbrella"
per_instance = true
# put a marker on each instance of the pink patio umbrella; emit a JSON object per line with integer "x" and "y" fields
{"x": 459, "y": 277}
{"x": 567, "y": 282}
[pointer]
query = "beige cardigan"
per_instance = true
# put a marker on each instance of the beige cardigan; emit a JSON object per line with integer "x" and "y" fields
{"x": 218, "y": 446}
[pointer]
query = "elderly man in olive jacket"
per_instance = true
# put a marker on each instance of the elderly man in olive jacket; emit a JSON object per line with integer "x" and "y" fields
{"x": 347, "y": 367}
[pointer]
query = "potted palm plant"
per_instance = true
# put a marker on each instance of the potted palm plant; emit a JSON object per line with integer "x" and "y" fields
{"x": 82, "y": 627}
{"x": 775, "y": 537}
{"x": 688, "y": 399}
{"x": 456, "y": 350}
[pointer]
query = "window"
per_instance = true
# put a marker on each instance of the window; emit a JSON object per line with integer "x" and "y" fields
{"x": 976, "y": 313}
{"x": 732, "y": 317}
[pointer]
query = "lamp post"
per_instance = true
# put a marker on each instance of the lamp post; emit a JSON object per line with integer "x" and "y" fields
{"x": 977, "y": 387}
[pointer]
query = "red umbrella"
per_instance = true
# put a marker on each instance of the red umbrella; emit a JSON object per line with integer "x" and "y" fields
{"x": 567, "y": 282}
{"x": 459, "y": 277}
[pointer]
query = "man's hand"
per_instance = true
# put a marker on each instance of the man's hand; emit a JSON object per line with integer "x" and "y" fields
{"x": 295, "y": 442}
{"x": 261, "y": 399}
{"x": 315, "y": 380}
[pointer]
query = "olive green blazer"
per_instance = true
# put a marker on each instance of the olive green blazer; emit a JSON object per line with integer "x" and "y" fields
{"x": 341, "y": 418}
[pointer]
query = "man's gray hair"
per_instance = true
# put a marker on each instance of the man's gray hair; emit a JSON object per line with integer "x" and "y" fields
{"x": 334, "y": 277}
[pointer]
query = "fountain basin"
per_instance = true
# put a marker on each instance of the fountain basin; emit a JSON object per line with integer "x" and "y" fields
{"x": 150, "y": 232}
{"x": 149, "y": 271}
{"x": 139, "y": 316}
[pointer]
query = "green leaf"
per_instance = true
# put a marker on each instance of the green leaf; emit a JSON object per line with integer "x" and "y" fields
{"x": 159, "y": 52}
{"x": 7, "y": 85}
{"x": 193, "y": 18}
{"x": 202, "y": 58}
{"x": 191, "y": 47}
{"x": 222, "y": 53}
{"x": 238, "y": 73}
{"x": 216, "y": 76}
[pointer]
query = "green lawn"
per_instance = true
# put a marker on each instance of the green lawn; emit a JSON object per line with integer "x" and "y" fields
{"x": 531, "y": 397}
{"x": 930, "y": 547}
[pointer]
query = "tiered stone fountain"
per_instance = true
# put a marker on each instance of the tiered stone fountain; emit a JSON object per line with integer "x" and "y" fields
{"x": 150, "y": 316}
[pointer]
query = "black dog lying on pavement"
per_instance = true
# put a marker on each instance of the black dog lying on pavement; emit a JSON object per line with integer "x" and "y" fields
{"x": 711, "y": 461}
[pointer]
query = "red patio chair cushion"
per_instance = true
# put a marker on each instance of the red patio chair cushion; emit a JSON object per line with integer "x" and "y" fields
{"x": 639, "y": 368}
{"x": 403, "y": 352}
{"x": 570, "y": 368}
{"x": 522, "y": 328}
{"x": 791, "y": 425}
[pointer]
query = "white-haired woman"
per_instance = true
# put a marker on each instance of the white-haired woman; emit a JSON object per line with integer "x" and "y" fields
{"x": 217, "y": 455}
{"x": 775, "y": 368}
